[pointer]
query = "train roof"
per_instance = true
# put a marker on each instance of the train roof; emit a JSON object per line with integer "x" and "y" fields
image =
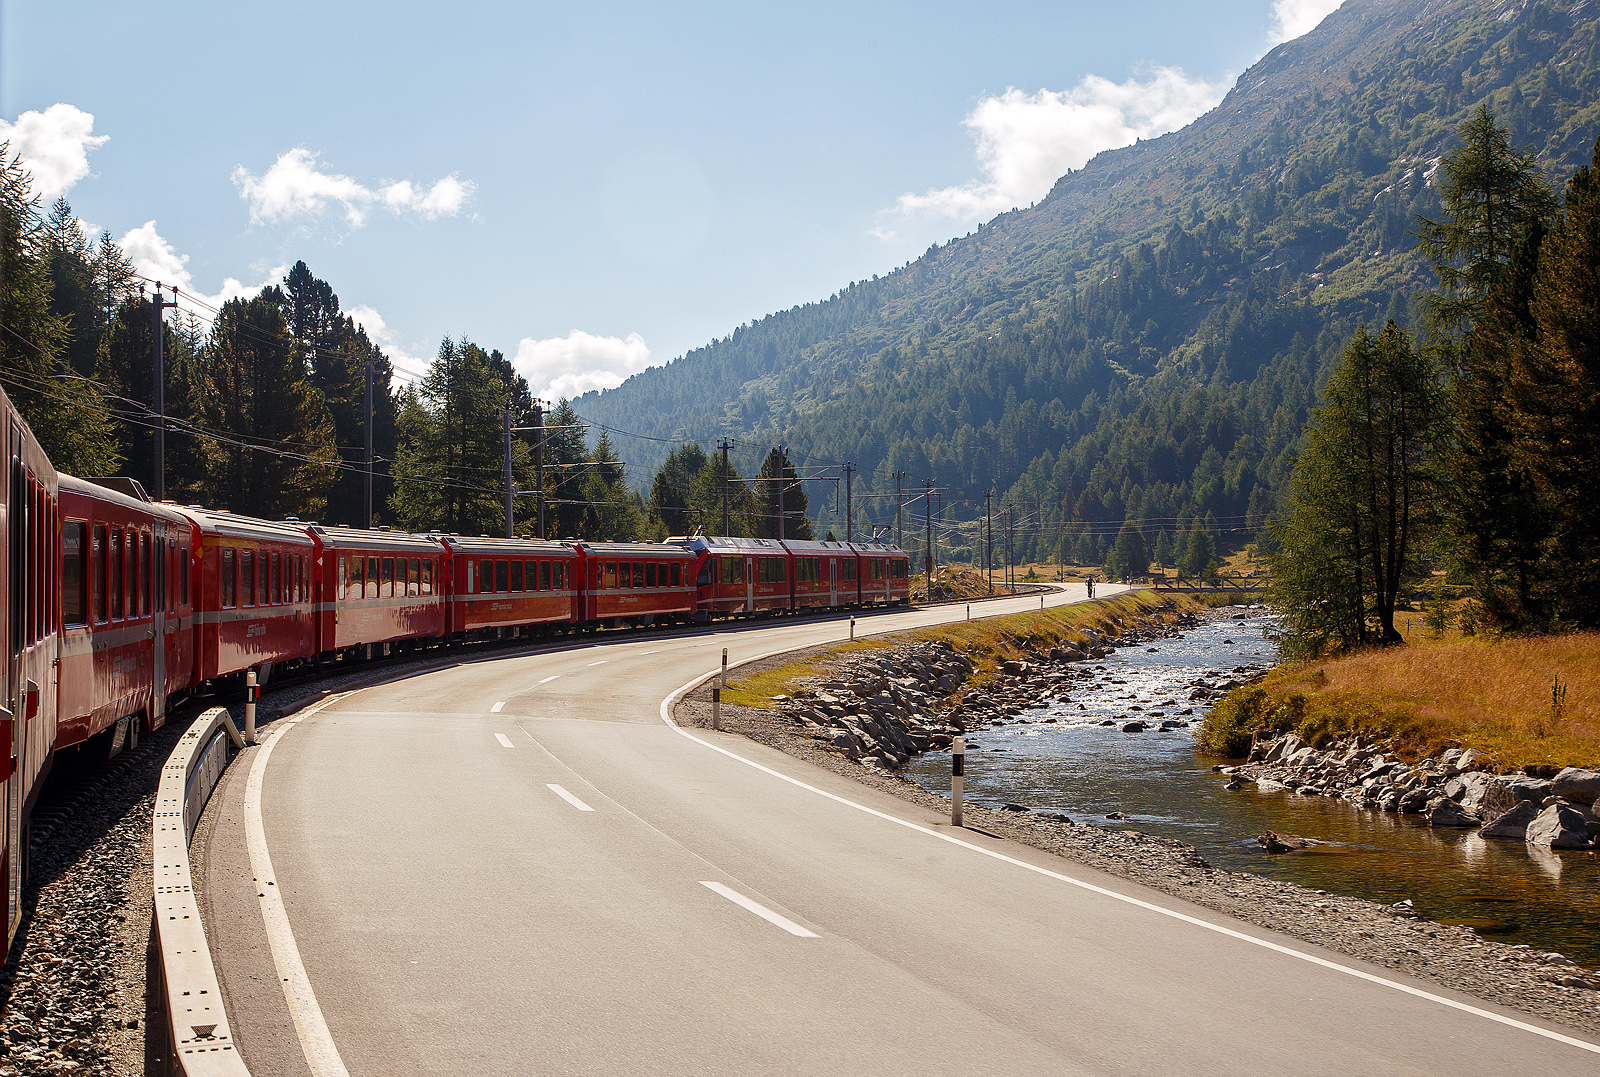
{"x": 233, "y": 525}
{"x": 633, "y": 549}
{"x": 506, "y": 546}
{"x": 361, "y": 538}
{"x": 725, "y": 543}
{"x": 815, "y": 546}
{"x": 166, "y": 510}
{"x": 888, "y": 549}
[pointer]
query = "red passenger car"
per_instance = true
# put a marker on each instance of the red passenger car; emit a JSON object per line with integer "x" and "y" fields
{"x": 30, "y": 616}
{"x": 738, "y": 575}
{"x": 127, "y": 639}
{"x": 503, "y": 585}
{"x": 824, "y": 574}
{"x": 638, "y": 583}
{"x": 377, "y": 588}
{"x": 883, "y": 574}
{"x": 257, "y": 607}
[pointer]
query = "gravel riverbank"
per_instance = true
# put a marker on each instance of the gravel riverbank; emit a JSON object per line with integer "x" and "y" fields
{"x": 1544, "y": 984}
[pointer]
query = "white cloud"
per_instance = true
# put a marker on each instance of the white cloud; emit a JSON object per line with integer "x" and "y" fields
{"x": 408, "y": 367}
{"x": 1028, "y": 141}
{"x": 155, "y": 258}
{"x": 54, "y": 146}
{"x": 572, "y": 365}
{"x": 295, "y": 187}
{"x": 1291, "y": 18}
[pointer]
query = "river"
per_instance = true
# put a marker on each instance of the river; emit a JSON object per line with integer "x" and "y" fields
{"x": 1159, "y": 783}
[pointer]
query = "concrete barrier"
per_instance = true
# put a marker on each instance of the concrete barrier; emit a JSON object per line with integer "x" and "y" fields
{"x": 199, "y": 1037}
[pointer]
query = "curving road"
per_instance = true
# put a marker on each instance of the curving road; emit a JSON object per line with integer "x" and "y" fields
{"x": 516, "y": 866}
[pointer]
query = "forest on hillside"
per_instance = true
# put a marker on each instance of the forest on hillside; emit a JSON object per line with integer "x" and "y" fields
{"x": 1146, "y": 343}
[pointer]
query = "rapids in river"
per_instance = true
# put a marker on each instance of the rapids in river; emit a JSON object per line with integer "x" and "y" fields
{"x": 1159, "y": 783}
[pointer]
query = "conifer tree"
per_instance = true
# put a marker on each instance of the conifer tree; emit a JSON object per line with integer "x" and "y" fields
{"x": 796, "y": 524}
{"x": 276, "y": 449}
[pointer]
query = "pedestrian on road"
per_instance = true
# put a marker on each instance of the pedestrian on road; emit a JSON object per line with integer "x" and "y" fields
{"x": 1088, "y": 582}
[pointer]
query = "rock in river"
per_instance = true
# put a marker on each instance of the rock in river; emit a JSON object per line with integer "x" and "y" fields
{"x": 1446, "y": 812}
{"x": 1512, "y": 824}
{"x": 1560, "y": 826}
{"x": 1133, "y": 727}
{"x": 1275, "y": 843}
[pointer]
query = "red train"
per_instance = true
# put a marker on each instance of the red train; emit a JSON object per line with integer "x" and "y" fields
{"x": 117, "y": 608}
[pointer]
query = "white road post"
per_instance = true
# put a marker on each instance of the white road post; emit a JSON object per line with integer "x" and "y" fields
{"x": 716, "y": 692}
{"x": 250, "y": 690}
{"x": 958, "y": 767}
{"x": 1041, "y": 602}
{"x": 969, "y": 611}
{"x": 852, "y": 629}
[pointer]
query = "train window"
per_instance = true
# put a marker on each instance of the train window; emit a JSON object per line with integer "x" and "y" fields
{"x": 247, "y": 575}
{"x": 649, "y": 573}
{"x": 370, "y": 588}
{"x": 386, "y": 581}
{"x": 638, "y": 573}
{"x": 877, "y": 568}
{"x": 539, "y": 575}
{"x": 610, "y": 583}
{"x": 414, "y": 578}
{"x": 183, "y": 575}
{"x": 501, "y": 583}
{"x": 343, "y": 590}
{"x": 732, "y": 569}
{"x": 704, "y": 579}
{"x": 114, "y": 579}
{"x": 677, "y": 574}
{"x": 97, "y": 554}
{"x": 427, "y": 576}
{"x": 516, "y": 575}
{"x": 849, "y": 565}
{"x": 486, "y": 577}
{"x": 262, "y": 579}
{"x": 229, "y": 591}
{"x": 143, "y": 568}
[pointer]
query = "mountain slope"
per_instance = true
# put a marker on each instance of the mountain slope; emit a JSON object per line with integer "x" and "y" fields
{"x": 1146, "y": 341}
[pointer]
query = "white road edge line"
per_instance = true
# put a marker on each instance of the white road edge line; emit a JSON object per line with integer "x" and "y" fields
{"x": 638, "y": 654}
{"x": 666, "y": 716}
{"x": 547, "y": 680}
{"x": 505, "y": 741}
{"x": 498, "y": 707}
{"x": 599, "y": 663}
{"x": 760, "y": 910}
{"x": 315, "y": 1039}
{"x": 568, "y": 797}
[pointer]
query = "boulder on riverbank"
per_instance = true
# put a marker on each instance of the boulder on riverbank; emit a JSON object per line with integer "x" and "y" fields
{"x": 1576, "y": 785}
{"x": 1512, "y": 823}
{"x": 1559, "y": 826}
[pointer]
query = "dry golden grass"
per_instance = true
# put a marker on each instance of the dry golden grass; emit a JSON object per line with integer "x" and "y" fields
{"x": 1491, "y": 695}
{"x": 987, "y": 641}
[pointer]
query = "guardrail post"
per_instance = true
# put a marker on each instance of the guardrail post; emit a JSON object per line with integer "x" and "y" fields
{"x": 251, "y": 690}
{"x": 958, "y": 767}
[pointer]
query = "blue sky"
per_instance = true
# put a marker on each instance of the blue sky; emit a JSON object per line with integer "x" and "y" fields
{"x": 590, "y": 189}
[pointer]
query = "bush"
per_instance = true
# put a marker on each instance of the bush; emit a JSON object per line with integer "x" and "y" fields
{"x": 1230, "y": 728}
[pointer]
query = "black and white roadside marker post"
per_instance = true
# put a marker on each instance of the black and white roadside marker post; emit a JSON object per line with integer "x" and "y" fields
{"x": 716, "y": 692}
{"x": 852, "y": 629}
{"x": 969, "y": 611}
{"x": 958, "y": 767}
{"x": 251, "y": 691}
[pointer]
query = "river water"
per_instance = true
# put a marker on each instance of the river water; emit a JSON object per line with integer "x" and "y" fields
{"x": 1161, "y": 784}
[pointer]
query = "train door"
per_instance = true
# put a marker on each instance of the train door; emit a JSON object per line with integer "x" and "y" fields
{"x": 833, "y": 581}
{"x": 749, "y": 584}
{"x": 158, "y": 625}
{"x": 13, "y": 717}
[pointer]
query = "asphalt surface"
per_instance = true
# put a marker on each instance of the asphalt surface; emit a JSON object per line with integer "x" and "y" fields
{"x": 569, "y": 885}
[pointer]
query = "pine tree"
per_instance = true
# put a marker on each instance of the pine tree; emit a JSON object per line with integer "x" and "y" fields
{"x": 1128, "y": 556}
{"x": 796, "y": 525}
{"x": 276, "y": 449}
{"x": 448, "y": 468}
{"x": 672, "y": 491}
{"x": 67, "y": 414}
{"x": 1163, "y": 550}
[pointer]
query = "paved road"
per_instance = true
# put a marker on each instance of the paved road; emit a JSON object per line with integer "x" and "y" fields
{"x": 516, "y": 867}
